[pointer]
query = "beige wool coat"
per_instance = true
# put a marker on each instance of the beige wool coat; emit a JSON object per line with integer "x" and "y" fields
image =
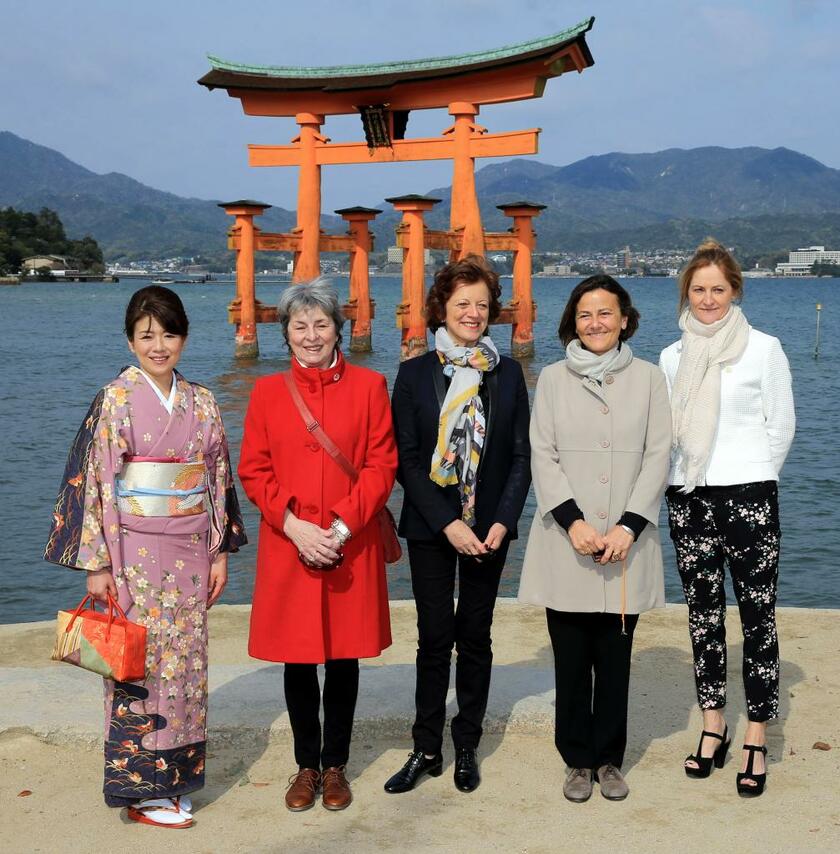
{"x": 608, "y": 447}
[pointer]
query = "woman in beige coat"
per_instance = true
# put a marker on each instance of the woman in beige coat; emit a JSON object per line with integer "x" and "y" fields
{"x": 600, "y": 447}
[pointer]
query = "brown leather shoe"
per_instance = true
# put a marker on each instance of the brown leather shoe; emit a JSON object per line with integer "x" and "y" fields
{"x": 303, "y": 787}
{"x": 337, "y": 794}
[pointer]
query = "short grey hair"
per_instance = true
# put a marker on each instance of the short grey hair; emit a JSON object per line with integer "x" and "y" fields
{"x": 318, "y": 293}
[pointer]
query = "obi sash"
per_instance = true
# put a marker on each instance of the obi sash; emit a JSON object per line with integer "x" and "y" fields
{"x": 148, "y": 486}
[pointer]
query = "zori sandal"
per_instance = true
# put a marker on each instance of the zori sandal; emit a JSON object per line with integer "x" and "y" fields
{"x": 182, "y": 802}
{"x": 161, "y": 812}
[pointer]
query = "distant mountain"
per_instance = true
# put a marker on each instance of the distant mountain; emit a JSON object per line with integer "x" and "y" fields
{"x": 126, "y": 217}
{"x": 768, "y": 199}
{"x": 757, "y": 195}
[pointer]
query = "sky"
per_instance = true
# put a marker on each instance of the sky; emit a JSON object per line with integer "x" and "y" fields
{"x": 112, "y": 85}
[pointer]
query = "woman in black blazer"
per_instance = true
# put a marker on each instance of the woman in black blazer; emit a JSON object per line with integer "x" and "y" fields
{"x": 461, "y": 424}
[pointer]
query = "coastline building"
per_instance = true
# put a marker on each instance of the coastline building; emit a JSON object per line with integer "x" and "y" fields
{"x": 58, "y": 265}
{"x": 395, "y": 255}
{"x": 801, "y": 261}
{"x": 557, "y": 270}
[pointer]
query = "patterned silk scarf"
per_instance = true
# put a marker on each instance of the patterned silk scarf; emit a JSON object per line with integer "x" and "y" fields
{"x": 462, "y": 425}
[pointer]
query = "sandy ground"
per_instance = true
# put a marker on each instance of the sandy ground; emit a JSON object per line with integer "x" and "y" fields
{"x": 519, "y": 806}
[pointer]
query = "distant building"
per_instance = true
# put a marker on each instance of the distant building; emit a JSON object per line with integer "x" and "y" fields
{"x": 557, "y": 270}
{"x": 395, "y": 255}
{"x": 800, "y": 261}
{"x": 56, "y": 263}
{"x": 624, "y": 260}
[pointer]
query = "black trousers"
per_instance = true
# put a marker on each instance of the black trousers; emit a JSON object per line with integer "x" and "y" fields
{"x": 303, "y": 700}
{"x": 441, "y": 626}
{"x": 592, "y": 674}
{"x": 736, "y": 525}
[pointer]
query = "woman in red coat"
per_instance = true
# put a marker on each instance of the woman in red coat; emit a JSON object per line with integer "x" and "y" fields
{"x": 320, "y": 596}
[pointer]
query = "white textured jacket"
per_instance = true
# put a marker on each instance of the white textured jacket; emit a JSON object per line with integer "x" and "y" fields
{"x": 757, "y": 419}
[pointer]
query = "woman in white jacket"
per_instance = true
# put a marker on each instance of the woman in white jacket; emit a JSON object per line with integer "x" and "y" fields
{"x": 733, "y": 423}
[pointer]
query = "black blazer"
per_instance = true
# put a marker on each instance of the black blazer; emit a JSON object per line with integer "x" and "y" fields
{"x": 504, "y": 472}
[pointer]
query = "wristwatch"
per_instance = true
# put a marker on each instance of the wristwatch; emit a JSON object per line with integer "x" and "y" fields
{"x": 341, "y": 531}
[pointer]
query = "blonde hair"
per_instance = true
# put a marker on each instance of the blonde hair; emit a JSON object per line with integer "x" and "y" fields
{"x": 707, "y": 253}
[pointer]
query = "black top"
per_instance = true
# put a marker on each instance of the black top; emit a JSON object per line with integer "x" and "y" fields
{"x": 504, "y": 472}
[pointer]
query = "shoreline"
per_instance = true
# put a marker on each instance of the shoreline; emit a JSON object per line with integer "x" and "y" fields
{"x": 51, "y": 736}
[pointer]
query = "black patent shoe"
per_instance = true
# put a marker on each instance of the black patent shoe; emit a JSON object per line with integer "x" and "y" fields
{"x": 467, "y": 777}
{"x": 409, "y": 775}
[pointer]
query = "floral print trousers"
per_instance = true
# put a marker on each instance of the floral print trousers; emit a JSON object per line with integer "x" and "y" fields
{"x": 739, "y": 526}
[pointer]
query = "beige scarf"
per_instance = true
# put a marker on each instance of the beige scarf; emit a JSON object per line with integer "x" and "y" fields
{"x": 695, "y": 397}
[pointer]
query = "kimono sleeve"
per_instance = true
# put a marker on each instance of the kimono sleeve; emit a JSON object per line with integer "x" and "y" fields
{"x": 85, "y": 529}
{"x": 376, "y": 476}
{"x": 227, "y": 531}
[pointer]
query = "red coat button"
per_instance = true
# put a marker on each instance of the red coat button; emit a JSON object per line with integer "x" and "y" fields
{"x": 605, "y": 443}
{"x": 605, "y": 409}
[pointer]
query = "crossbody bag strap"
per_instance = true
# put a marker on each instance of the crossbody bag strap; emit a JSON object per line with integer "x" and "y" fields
{"x": 317, "y": 431}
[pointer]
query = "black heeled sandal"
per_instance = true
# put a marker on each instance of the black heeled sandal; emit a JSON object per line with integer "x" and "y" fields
{"x": 746, "y": 790}
{"x": 704, "y": 763}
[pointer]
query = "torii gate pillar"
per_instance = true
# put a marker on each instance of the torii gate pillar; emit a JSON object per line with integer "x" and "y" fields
{"x": 307, "y": 263}
{"x": 522, "y": 335}
{"x": 410, "y": 312}
{"x": 247, "y": 346}
{"x": 464, "y": 212}
{"x": 359, "y": 307}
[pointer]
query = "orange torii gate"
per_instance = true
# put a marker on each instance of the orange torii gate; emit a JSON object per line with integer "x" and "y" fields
{"x": 384, "y": 95}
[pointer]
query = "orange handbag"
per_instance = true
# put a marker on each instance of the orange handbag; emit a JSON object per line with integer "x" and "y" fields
{"x": 107, "y": 643}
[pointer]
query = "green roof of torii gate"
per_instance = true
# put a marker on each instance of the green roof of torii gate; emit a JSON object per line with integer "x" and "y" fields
{"x": 239, "y": 75}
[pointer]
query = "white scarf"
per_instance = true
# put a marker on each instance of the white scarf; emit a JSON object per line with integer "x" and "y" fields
{"x": 597, "y": 366}
{"x": 461, "y": 426}
{"x": 695, "y": 396}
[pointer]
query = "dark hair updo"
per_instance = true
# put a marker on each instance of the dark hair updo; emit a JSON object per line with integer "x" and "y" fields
{"x": 155, "y": 301}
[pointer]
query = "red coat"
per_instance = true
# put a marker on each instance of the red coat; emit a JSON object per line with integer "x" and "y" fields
{"x": 301, "y": 615}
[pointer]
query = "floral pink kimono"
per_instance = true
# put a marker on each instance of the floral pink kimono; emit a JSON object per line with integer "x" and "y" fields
{"x": 158, "y": 537}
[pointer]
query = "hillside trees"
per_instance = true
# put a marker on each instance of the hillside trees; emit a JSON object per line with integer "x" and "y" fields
{"x": 23, "y": 233}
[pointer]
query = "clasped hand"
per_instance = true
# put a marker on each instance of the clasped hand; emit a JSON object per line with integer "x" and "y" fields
{"x": 614, "y": 546}
{"x": 316, "y": 546}
{"x": 465, "y": 542}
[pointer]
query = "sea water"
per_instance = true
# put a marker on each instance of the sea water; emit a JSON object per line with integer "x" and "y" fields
{"x": 61, "y": 342}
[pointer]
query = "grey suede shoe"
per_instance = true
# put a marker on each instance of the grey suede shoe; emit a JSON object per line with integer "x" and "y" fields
{"x": 612, "y": 782}
{"x": 578, "y": 785}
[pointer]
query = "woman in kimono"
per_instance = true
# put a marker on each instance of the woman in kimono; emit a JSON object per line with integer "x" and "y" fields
{"x": 148, "y": 509}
